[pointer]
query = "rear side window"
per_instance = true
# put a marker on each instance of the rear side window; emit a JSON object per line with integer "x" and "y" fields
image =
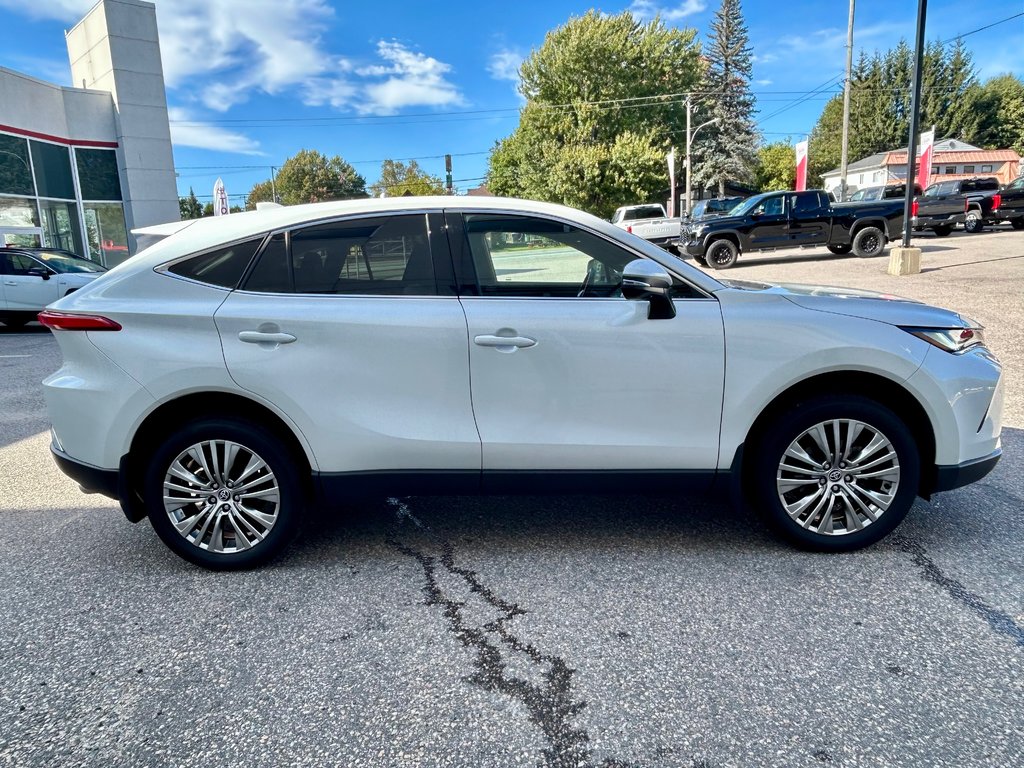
{"x": 223, "y": 267}
{"x": 382, "y": 256}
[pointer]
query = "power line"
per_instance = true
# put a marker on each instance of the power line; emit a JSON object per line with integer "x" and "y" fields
{"x": 982, "y": 29}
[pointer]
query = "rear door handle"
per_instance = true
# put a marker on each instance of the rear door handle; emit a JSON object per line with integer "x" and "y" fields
{"x": 265, "y": 337}
{"x": 504, "y": 343}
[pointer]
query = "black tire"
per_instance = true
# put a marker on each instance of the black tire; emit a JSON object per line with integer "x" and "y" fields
{"x": 974, "y": 223}
{"x": 840, "y": 249}
{"x": 869, "y": 242}
{"x": 701, "y": 260}
{"x": 255, "y": 441}
{"x": 1017, "y": 223}
{"x": 943, "y": 231}
{"x": 778, "y": 437}
{"x": 722, "y": 254}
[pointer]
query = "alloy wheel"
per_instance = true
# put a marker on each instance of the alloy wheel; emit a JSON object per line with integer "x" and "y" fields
{"x": 221, "y": 496}
{"x": 838, "y": 477}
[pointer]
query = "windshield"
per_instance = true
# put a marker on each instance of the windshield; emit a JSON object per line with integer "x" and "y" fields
{"x": 642, "y": 212}
{"x": 749, "y": 204}
{"x": 62, "y": 262}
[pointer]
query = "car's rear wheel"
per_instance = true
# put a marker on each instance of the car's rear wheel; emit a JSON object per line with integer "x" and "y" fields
{"x": 869, "y": 242}
{"x": 943, "y": 230}
{"x": 974, "y": 223}
{"x": 835, "y": 473}
{"x": 224, "y": 494}
{"x": 840, "y": 249}
{"x": 722, "y": 254}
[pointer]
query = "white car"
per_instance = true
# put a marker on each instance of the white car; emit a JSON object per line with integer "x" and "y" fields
{"x": 32, "y": 278}
{"x": 248, "y": 366}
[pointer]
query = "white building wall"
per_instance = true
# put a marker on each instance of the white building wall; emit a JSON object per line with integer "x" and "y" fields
{"x": 45, "y": 108}
{"x": 116, "y": 48}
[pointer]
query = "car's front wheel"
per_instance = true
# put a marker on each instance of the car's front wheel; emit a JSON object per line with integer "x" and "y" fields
{"x": 722, "y": 254}
{"x": 224, "y": 494}
{"x": 835, "y": 473}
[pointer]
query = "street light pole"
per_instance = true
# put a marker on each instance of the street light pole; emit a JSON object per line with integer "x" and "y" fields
{"x": 689, "y": 143}
{"x": 273, "y": 183}
{"x": 915, "y": 121}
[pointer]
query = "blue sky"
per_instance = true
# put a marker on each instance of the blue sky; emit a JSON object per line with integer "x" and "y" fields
{"x": 251, "y": 82}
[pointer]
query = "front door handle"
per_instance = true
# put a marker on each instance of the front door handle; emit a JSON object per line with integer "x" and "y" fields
{"x": 504, "y": 343}
{"x": 265, "y": 337}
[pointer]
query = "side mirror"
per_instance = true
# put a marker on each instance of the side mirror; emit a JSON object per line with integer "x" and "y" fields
{"x": 39, "y": 272}
{"x": 645, "y": 280}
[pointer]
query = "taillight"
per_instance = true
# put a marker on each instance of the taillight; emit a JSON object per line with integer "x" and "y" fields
{"x": 65, "y": 321}
{"x": 967, "y": 204}
{"x": 629, "y": 228}
{"x": 997, "y": 200}
{"x": 913, "y": 209}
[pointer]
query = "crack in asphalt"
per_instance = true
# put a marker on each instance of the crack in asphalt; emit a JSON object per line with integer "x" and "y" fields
{"x": 550, "y": 703}
{"x": 1000, "y": 621}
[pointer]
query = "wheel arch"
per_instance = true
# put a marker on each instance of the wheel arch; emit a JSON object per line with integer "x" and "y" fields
{"x": 885, "y": 391}
{"x": 162, "y": 420}
{"x": 729, "y": 235}
{"x": 860, "y": 224}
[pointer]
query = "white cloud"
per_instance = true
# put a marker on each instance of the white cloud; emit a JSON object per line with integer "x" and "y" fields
{"x": 764, "y": 81}
{"x": 186, "y": 132}
{"x": 645, "y": 10}
{"x": 504, "y": 65}
{"x": 412, "y": 78}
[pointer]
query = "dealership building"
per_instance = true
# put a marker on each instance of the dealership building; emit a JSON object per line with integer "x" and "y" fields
{"x": 81, "y": 167}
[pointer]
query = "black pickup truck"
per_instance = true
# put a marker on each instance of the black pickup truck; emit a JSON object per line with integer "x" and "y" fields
{"x": 971, "y": 202}
{"x": 792, "y": 220}
{"x": 1011, "y": 207}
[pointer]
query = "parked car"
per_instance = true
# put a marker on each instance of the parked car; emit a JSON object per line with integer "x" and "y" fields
{"x": 789, "y": 220}
{"x": 649, "y": 222}
{"x": 245, "y": 368}
{"x": 1011, "y": 206}
{"x": 971, "y": 202}
{"x": 886, "y": 192}
{"x": 32, "y": 278}
{"x": 720, "y": 206}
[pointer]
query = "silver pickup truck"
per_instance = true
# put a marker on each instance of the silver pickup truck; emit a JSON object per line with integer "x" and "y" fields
{"x": 650, "y": 223}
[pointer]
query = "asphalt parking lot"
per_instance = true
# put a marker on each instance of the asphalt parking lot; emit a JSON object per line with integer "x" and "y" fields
{"x": 564, "y": 631}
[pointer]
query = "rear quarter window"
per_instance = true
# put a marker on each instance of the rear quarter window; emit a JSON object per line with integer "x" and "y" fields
{"x": 222, "y": 267}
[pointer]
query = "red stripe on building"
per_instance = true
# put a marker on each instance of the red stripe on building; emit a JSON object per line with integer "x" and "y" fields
{"x": 58, "y": 139}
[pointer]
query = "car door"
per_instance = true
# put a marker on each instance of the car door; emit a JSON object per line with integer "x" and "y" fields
{"x": 769, "y": 224}
{"x": 25, "y": 292}
{"x": 569, "y": 378}
{"x": 1012, "y": 199}
{"x": 809, "y": 219}
{"x": 348, "y": 328}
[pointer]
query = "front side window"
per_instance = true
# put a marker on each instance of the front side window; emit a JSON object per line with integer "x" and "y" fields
{"x": 772, "y": 206}
{"x": 223, "y": 267}
{"x": 380, "y": 256}
{"x": 526, "y": 256}
{"x": 18, "y": 264}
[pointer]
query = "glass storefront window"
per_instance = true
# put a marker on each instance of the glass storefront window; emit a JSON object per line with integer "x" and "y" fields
{"x": 15, "y": 171}
{"x": 97, "y": 174}
{"x": 18, "y": 212}
{"x": 52, "y": 164}
{"x": 106, "y": 233}
{"x": 60, "y": 226}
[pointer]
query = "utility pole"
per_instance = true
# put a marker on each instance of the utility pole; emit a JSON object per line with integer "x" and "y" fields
{"x": 915, "y": 122}
{"x": 273, "y": 183}
{"x": 846, "y": 106}
{"x": 448, "y": 173}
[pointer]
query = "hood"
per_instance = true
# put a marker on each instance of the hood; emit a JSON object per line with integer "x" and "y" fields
{"x": 718, "y": 219}
{"x": 853, "y": 302}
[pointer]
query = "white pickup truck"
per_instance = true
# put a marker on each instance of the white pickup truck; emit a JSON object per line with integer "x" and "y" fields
{"x": 650, "y": 223}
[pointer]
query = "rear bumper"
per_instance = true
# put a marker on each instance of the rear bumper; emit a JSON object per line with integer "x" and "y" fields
{"x": 925, "y": 222}
{"x": 89, "y": 478}
{"x": 958, "y": 475}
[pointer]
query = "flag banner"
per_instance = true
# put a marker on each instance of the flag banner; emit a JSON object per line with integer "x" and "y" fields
{"x": 671, "y": 158}
{"x": 220, "y": 199}
{"x": 801, "y": 166}
{"x": 924, "y": 159}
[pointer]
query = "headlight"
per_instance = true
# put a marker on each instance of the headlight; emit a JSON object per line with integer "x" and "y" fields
{"x": 954, "y": 340}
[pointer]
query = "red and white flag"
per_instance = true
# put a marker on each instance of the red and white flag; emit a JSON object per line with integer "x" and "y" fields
{"x": 924, "y": 160}
{"x": 220, "y": 199}
{"x": 801, "y": 166}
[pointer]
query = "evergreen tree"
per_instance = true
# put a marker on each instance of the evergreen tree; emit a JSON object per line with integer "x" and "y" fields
{"x": 190, "y": 206}
{"x": 727, "y": 149}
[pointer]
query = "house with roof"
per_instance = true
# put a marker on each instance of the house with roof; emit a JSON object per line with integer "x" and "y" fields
{"x": 951, "y": 159}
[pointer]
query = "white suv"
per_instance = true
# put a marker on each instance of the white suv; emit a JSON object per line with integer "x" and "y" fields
{"x": 31, "y": 278}
{"x": 248, "y": 366}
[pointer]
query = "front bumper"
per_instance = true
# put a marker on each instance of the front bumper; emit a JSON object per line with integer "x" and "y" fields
{"x": 692, "y": 247}
{"x": 958, "y": 475}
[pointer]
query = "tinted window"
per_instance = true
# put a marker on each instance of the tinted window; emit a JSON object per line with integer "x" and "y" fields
{"x": 771, "y": 206}
{"x": 644, "y": 212}
{"x": 698, "y": 209}
{"x": 97, "y": 174}
{"x": 52, "y": 164}
{"x": 223, "y": 267}
{"x": 17, "y": 264}
{"x": 1016, "y": 184}
{"x": 15, "y": 172}
{"x": 65, "y": 262}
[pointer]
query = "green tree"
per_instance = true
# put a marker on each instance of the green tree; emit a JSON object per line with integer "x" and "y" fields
{"x": 597, "y": 122}
{"x": 727, "y": 149}
{"x": 398, "y": 178}
{"x": 261, "y": 192}
{"x": 311, "y": 177}
{"x": 776, "y": 166}
{"x": 1001, "y": 113}
{"x": 190, "y": 206}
